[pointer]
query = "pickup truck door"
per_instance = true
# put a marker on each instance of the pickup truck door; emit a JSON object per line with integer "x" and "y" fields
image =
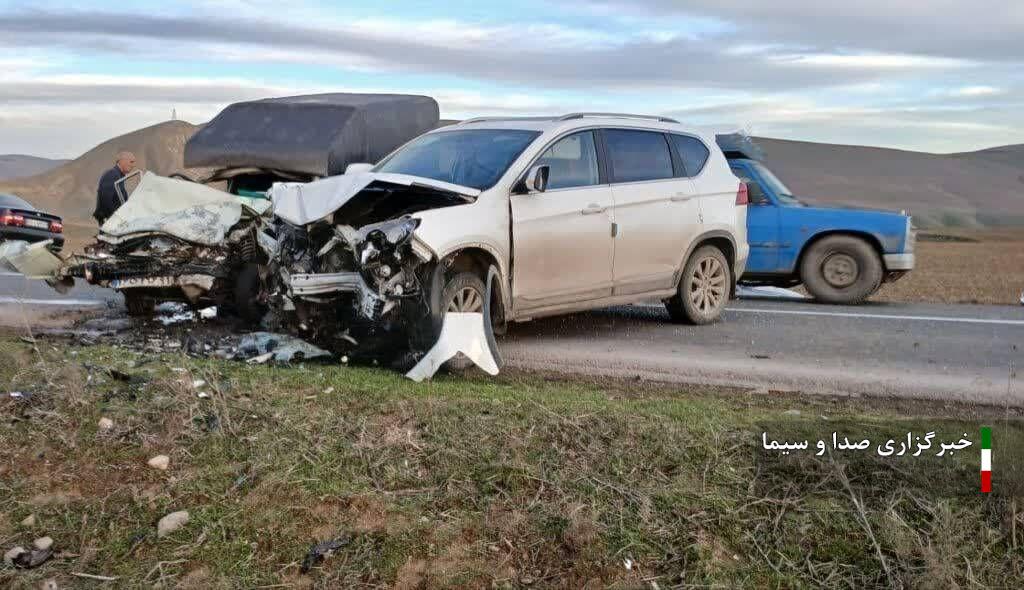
{"x": 762, "y": 223}
{"x": 562, "y": 243}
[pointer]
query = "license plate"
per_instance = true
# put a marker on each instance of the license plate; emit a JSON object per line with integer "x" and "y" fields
{"x": 37, "y": 224}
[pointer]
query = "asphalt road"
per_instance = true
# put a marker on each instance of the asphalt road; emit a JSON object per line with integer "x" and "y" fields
{"x": 955, "y": 352}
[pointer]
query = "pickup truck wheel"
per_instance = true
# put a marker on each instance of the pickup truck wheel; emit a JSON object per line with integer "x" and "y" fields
{"x": 138, "y": 305}
{"x": 463, "y": 293}
{"x": 703, "y": 289}
{"x": 841, "y": 269}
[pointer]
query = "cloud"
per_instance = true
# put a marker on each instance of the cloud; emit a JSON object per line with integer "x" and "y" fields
{"x": 989, "y": 30}
{"x": 540, "y": 55}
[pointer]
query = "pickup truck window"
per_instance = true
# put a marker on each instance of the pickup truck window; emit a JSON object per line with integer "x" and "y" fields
{"x": 754, "y": 191}
{"x": 638, "y": 155}
{"x": 692, "y": 152}
{"x": 476, "y": 158}
{"x": 781, "y": 191}
{"x": 572, "y": 161}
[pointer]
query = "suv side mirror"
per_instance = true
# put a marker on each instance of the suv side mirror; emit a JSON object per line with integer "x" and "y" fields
{"x": 536, "y": 180}
{"x": 357, "y": 168}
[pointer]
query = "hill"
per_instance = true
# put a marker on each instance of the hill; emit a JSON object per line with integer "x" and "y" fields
{"x": 970, "y": 190}
{"x": 69, "y": 190}
{"x": 982, "y": 189}
{"x": 18, "y": 165}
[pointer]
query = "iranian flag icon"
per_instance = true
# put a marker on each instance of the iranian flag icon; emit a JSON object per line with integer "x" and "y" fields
{"x": 986, "y": 459}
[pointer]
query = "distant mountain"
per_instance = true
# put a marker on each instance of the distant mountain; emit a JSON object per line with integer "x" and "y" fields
{"x": 972, "y": 190}
{"x": 17, "y": 165}
{"x": 69, "y": 190}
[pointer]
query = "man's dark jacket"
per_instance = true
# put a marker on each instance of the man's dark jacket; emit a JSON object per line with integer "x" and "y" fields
{"x": 107, "y": 200}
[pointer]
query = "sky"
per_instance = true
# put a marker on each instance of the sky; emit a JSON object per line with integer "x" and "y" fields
{"x": 930, "y": 75}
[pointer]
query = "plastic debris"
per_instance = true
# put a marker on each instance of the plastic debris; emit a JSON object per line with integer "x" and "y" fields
{"x": 320, "y": 551}
{"x": 747, "y": 292}
{"x": 261, "y": 347}
{"x": 171, "y": 523}
{"x": 105, "y": 424}
{"x": 464, "y": 333}
{"x": 208, "y": 313}
{"x": 23, "y": 558}
{"x": 196, "y": 384}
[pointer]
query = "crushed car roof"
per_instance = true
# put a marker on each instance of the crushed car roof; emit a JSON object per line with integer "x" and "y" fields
{"x": 317, "y": 134}
{"x": 187, "y": 210}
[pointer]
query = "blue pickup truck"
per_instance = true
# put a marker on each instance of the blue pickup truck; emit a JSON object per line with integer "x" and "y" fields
{"x": 840, "y": 255}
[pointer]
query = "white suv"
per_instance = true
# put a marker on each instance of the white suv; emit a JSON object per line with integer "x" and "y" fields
{"x": 565, "y": 214}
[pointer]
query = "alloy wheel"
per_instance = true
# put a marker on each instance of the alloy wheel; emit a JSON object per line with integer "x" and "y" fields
{"x": 708, "y": 288}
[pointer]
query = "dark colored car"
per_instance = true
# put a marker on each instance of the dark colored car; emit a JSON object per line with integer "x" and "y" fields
{"x": 19, "y": 220}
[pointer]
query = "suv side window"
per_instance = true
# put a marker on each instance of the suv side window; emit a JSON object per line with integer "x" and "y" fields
{"x": 572, "y": 161}
{"x": 638, "y": 155}
{"x": 692, "y": 152}
{"x": 754, "y": 191}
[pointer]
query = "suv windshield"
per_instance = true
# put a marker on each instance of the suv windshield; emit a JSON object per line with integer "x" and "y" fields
{"x": 475, "y": 158}
{"x": 773, "y": 183}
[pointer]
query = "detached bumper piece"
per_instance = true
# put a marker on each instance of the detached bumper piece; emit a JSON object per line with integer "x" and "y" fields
{"x": 464, "y": 333}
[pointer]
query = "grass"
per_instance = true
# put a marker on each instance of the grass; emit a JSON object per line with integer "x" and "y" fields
{"x": 519, "y": 481}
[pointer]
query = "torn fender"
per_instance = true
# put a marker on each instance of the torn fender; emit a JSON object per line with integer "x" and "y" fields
{"x": 304, "y": 203}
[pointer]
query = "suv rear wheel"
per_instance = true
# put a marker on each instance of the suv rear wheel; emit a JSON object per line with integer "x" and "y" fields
{"x": 703, "y": 289}
{"x": 841, "y": 269}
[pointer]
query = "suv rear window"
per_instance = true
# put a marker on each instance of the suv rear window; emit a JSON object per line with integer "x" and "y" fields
{"x": 638, "y": 155}
{"x": 692, "y": 152}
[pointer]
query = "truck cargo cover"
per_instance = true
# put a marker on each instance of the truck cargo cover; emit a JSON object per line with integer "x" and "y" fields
{"x": 317, "y": 134}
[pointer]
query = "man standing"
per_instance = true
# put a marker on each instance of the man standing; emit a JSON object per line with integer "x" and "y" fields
{"x": 107, "y": 199}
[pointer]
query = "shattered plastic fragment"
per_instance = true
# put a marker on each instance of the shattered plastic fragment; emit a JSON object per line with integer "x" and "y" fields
{"x": 460, "y": 332}
{"x": 256, "y": 347}
{"x": 319, "y": 551}
{"x": 32, "y": 260}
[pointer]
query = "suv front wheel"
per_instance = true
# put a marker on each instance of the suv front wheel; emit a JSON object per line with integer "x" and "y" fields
{"x": 703, "y": 288}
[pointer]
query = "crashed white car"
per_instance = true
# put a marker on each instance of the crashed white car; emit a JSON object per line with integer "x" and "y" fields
{"x": 563, "y": 214}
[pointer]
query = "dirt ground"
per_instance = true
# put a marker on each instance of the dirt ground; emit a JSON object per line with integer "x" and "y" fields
{"x": 984, "y": 268}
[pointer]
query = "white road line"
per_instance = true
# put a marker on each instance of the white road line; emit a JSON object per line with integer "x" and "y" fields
{"x": 64, "y": 302}
{"x": 882, "y": 316}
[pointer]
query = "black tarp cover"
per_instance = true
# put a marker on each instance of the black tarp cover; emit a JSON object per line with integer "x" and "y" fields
{"x": 317, "y": 134}
{"x": 739, "y": 145}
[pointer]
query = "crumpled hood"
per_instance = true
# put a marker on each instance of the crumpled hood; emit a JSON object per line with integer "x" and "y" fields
{"x": 187, "y": 210}
{"x": 302, "y": 203}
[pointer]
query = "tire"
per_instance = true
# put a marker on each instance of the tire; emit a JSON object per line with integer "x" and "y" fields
{"x": 247, "y": 294}
{"x": 841, "y": 269}
{"x": 138, "y": 305}
{"x": 464, "y": 293}
{"x": 703, "y": 288}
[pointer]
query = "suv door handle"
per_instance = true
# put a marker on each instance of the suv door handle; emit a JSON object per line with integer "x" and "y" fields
{"x": 680, "y": 197}
{"x": 593, "y": 209}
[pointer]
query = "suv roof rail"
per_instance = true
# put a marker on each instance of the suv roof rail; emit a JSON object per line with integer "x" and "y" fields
{"x": 571, "y": 116}
{"x": 487, "y": 119}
